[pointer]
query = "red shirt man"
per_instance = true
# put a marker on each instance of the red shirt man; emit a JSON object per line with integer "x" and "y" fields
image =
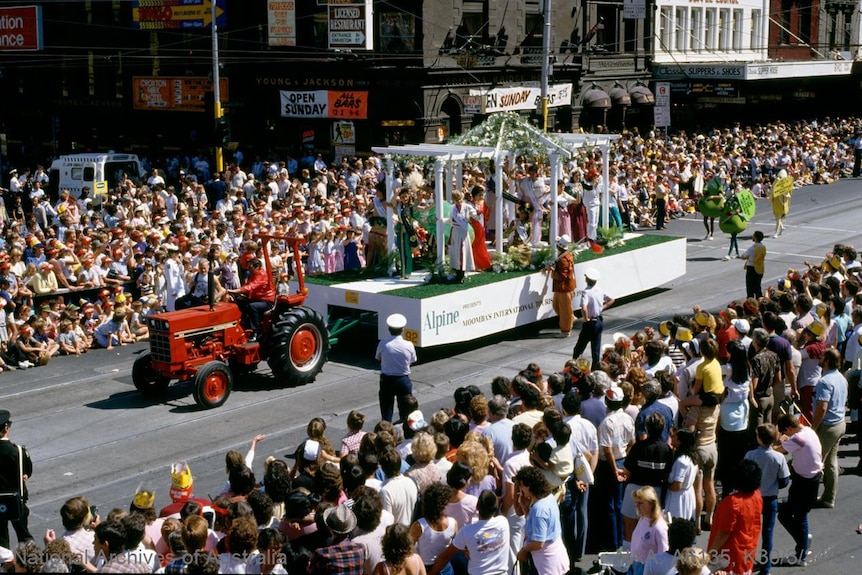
{"x": 260, "y": 293}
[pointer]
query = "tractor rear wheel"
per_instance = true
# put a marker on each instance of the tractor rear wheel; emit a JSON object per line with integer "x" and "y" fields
{"x": 145, "y": 378}
{"x": 300, "y": 344}
{"x": 213, "y": 384}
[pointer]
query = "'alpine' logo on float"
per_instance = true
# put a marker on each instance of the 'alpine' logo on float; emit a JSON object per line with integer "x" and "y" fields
{"x": 434, "y": 321}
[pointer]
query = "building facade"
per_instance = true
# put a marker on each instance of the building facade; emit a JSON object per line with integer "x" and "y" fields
{"x": 751, "y": 61}
{"x": 339, "y": 76}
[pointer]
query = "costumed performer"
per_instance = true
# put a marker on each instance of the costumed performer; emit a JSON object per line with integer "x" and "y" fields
{"x": 533, "y": 191}
{"x": 563, "y": 276}
{"x": 780, "y": 193}
{"x": 481, "y": 259}
{"x": 460, "y": 253}
{"x": 375, "y": 250}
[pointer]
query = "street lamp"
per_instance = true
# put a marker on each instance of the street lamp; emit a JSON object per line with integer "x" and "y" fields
{"x": 546, "y": 61}
{"x": 219, "y": 155}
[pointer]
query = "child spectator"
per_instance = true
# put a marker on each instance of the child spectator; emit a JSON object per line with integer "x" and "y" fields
{"x": 775, "y": 475}
{"x": 109, "y": 334}
{"x": 282, "y": 287}
{"x": 137, "y": 323}
{"x": 680, "y": 501}
{"x": 40, "y": 334}
{"x": 68, "y": 340}
{"x": 351, "y": 441}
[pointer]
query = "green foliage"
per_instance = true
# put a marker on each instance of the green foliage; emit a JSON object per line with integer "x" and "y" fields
{"x": 610, "y": 237}
{"x": 511, "y": 131}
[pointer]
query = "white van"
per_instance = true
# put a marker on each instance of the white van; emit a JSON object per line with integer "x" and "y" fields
{"x": 98, "y": 171}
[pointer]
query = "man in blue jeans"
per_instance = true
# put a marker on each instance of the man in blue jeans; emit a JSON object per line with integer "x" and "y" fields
{"x": 584, "y": 441}
{"x": 593, "y": 302}
{"x": 775, "y": 475}
{"x": 395, "y": 355}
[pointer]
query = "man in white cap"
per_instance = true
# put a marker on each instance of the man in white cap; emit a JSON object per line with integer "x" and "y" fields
{"x": 563, "y": 275}
{"x": 173, "y": 271}
{"x": 14, "y": 183}
{"x": 593, "y": 303}
{"x": 395, "y": 355}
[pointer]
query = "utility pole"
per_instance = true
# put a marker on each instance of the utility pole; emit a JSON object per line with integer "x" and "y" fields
{"x": 546, "y": 61}
{"x": 219, "y": 153}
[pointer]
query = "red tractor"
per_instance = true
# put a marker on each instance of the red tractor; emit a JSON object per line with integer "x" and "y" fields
{"x": 209, "y": 344}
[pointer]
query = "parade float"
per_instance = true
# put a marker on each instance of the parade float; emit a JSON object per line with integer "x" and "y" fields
{"x": 515, "y": 291}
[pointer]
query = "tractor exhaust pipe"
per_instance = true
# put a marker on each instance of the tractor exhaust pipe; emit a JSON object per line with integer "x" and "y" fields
{"x": 211, "y": 278}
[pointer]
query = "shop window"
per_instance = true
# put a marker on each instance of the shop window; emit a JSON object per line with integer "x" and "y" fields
{"x": 695, "y": 34}
{"x": 737, "y": 30}
{"x": 535, "y": 26}
{"x": 680, "y": 28}
{"x": 711, "y": 32}
{"x": 666, "y": 27}
{"x": 607, "y": 37}
{"x": 804, "y": 24}
{"x": 757, "y": 41}
{"x": 474, "y": 22}
{"x": 784, "y": 29}
{"x": 724, "y": 30}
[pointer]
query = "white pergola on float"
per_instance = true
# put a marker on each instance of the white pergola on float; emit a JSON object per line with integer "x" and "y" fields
{"x": 467, "y": 313}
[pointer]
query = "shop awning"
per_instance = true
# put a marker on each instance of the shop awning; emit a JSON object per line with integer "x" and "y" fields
{"x": 641, "y": 95}
{"x": 595, "y": 97}
{"x": 620, "y": 96}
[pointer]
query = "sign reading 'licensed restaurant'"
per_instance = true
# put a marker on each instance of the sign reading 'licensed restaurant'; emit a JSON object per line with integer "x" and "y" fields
{"x": 350, "y": 26}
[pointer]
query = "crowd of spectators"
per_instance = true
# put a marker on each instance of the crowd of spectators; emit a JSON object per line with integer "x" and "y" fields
{"x": 534, "y": 475}
{"x": 638, "y": 454}
{"x": 75, "y": 274}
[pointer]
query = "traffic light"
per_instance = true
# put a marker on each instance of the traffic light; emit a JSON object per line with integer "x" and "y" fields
{"x": 222, "y": 132}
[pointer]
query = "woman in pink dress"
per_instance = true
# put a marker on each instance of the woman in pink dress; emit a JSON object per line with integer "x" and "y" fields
{"x": 481, "y": 259}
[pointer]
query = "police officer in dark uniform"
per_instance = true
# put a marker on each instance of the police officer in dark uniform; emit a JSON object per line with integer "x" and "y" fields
{"x": 12, "y": 480}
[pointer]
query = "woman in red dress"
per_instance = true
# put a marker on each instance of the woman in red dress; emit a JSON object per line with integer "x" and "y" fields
{"x": 578, "y": 217}
{"x": 481, "y": 259}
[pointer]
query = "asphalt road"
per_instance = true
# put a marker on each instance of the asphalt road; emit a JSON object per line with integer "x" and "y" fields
{"x": 90, "y": 432}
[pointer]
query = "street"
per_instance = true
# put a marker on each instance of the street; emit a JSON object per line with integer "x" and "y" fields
{"x": 91, "y": 433}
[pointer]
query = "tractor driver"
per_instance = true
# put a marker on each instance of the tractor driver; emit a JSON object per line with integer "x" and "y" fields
{"x": 258, "y": 295}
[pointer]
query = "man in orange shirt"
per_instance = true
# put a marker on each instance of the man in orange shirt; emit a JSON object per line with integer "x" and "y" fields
{"x": 258, "y": 294}
{"x": 563, "y": 276}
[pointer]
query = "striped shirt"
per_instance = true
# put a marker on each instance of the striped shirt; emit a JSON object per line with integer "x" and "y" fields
{"x": 616, "y": 431}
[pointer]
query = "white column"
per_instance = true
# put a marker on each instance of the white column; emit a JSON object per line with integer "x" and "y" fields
{"x": 605, "y": 188}
{"x": 439, "y": 174}
{"x": 390, "y": 221}
{"x": 498, "y": 209}
{"x": 554, "y": 160}
{"x": 449, "y": 177}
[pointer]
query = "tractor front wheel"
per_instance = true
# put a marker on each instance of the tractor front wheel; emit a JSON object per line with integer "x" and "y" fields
{"x": 146, "y": 379}
{"x": 300, "y": 344}
{"x": 213, "y": 384}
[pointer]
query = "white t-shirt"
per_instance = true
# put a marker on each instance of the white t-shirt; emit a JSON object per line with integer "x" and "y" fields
{"x": 487, "y": 544}
{"x": 399, "y": 497}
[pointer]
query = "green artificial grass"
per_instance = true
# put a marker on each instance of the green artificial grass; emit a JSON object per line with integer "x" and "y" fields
{"x": 476, "y": 280}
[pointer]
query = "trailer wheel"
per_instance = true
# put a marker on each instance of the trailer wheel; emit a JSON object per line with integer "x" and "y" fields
{"x": 300, "y": 344}
{"x": 145, "y": 378}
{"x": 213, "y": 384}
